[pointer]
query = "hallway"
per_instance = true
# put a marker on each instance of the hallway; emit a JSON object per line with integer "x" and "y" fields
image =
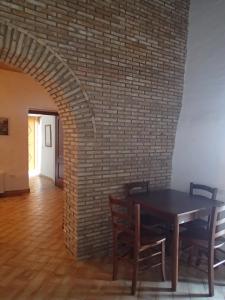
{"x": 32, "y": 253}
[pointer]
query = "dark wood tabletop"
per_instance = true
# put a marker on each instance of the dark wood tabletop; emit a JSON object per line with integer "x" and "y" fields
{"x": 176, "y": 207}
{"x": 174, "y": 203}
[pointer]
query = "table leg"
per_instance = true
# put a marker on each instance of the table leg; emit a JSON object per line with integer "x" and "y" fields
{"x": 175, "y": 255}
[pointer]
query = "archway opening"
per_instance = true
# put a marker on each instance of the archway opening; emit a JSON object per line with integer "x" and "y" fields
{"x": 26, "y": 147}
{"x": 22, "y": 51}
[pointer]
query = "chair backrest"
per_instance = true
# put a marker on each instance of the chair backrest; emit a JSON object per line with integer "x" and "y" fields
{"x": 122, "y": 220}
{"x": 208, "y": 191}
{"x": 120, "y": 214}
{"x": 137, "y": 187}
{"x": 217, "y": 226}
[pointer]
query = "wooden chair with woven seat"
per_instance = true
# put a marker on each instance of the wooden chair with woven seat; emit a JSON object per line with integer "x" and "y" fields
{"x": 140, "y": 248}
{"x": 209, "y": 241}
{"x": 138, "y": 187}
{"x": 206, "y": 191}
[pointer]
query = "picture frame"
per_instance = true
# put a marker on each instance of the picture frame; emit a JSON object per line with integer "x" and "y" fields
{"x": 48, "y": 135}
{"x": 4, "y": 126}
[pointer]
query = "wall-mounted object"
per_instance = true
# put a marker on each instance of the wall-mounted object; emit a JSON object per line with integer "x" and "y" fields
{"x": 4, "y": 126}
{"x": 48, "y": 135}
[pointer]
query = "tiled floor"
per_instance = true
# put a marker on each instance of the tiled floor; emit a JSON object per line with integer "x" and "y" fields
{"x": 36, "y": 266}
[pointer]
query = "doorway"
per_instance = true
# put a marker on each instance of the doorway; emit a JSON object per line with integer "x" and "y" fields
{"x": 33, "y": 145}
{"x": 59, "y": 160}
{"x": 45, "y": 146}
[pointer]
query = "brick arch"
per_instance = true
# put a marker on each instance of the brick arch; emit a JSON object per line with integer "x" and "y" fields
{"x": 25, "y": 52}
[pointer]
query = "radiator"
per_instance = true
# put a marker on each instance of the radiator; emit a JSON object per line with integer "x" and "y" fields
{"x": 2, "y": 182}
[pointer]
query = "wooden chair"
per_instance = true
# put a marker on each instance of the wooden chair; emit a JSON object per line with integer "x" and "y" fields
{"x": 210, "y": 193}
{"x": 200, "y": 187}
{"x": 129, "y": 242}
{"x": 209, "y": 242}
{"x": 138, "y": 187}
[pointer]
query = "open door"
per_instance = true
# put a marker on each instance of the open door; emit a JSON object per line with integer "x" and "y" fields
{"x": 59, "y": 162}
{"x": 33, "y": 158}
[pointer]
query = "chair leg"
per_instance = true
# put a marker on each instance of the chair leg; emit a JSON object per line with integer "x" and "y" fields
{"x": 199, "y": 258}
{"x": 115, "y": 260}
{"x": 180, "y": 249}
{"x": 211, "y": 276}
{"x": 163, "y": 271}
{"x": 190, "y": 256}
{"x": 134, "y": 276}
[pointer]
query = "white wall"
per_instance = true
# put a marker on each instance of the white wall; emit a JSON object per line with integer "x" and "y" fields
{"x": 18, "y": 94}
{"x": 48, "y": 153}
{"x": 199, "y": 153}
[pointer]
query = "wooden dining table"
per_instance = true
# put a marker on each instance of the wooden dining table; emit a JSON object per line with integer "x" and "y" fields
{"x": 176, "y": 208}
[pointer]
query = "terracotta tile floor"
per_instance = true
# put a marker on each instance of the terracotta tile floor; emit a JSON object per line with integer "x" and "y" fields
{"x": 35, "y": 264}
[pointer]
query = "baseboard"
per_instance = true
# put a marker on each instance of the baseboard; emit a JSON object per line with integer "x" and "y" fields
{"x": 14, "y": 193}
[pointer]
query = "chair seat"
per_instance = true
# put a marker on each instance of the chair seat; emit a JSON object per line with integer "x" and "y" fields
{"x": 148, "y": 238}
{"x": 199, "y": 223}
{"x": 151, "y": 221}
{"x": 200, "y": 237}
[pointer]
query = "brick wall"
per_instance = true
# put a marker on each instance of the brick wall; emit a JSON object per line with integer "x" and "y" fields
{"x": 129, "y": 57}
